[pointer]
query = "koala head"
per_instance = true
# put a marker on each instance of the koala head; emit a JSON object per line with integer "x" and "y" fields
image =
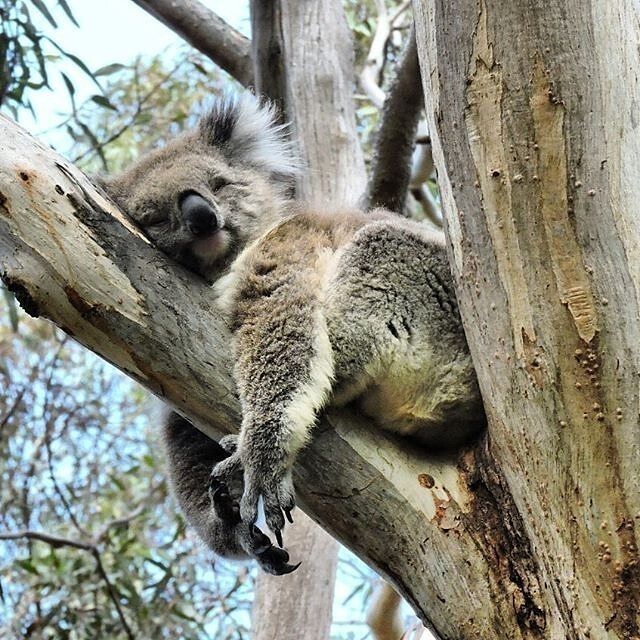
{"x": 207, "y": 193}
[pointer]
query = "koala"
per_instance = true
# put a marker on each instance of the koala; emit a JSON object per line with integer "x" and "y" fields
{"x": 326, "y": 307}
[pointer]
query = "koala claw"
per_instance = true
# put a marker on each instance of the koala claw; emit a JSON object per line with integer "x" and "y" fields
{"x": 259, "y": 541}
{"x": 287, "y": 512}
{"x": 276, "y": 561}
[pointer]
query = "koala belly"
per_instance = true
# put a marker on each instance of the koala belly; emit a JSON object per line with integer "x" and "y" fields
{"x": 399, "y": 349}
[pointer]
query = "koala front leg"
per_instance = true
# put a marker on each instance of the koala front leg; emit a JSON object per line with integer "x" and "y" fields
{"x": 284, "y": 373}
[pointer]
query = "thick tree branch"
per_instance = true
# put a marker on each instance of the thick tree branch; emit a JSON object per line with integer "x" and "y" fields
{"x": 207, "y": 32}
{"x": 431, "y": 525}
{"x": 396, "y": 138}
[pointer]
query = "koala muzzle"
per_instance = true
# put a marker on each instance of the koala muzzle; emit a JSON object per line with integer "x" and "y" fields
{"x": 200, "y": 216}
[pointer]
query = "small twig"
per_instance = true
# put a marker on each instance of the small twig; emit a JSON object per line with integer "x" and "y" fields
{"x": 112, "y": 593}
{"x": 55, "y": 541}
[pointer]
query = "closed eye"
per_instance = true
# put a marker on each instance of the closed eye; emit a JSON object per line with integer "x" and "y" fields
{"x": 218, "y": 183}
{"x": 150, "y": 216}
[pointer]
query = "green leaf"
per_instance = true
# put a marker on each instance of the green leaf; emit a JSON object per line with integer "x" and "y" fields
{"x": 103, "y": 102}
{"x": 74, "y": 59}
{"x": 148, "y": 460}
{"x": 109, "y": 69}
{"x": 117, "y": 482}
{"x": 27, "y": 565}
{"x": 67, "y": 10}
{"x": 42, "y": 8}
{"x": 70, "y": 88}
{"x": 200, "y": 68}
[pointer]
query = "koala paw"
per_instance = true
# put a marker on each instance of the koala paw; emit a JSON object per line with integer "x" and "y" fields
{"x": 276, "y": 489}
{"x": 270, "y": 479}
{"x": 276, "y": 561}
{"x": 258, "y": 546}
{"x": 224, "y": 506}
{"x": 224, "y": 472}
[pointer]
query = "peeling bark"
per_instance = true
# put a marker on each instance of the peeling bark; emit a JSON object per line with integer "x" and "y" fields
{"x": 536, "y": 151}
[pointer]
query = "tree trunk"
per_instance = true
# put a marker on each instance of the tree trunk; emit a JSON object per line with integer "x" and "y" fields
{"x": 538, "y": 154}
{"x": 300, "y": 607}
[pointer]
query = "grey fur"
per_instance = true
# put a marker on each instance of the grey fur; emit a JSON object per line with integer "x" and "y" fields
{"x": 214, "y": 511}
{"x": 325, "y": 307}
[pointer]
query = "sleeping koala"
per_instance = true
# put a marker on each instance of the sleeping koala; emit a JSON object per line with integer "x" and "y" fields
{"x": 325, "y": 307}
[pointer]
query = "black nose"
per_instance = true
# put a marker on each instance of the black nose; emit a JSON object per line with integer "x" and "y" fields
{"x": 199, "y": 214}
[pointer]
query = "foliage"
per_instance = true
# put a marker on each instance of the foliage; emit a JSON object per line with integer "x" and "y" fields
{"x": 149, "y": 102}
{"x": 26, "y": 53}
{"x": 81, "y": 465}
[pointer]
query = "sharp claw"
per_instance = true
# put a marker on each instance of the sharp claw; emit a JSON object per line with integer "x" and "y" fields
{"x": 289, "y": 568}
{"x": 278, "y": 534}
{"x": 288, "y": 514}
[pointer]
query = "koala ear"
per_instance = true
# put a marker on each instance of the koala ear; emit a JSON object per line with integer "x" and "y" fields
{"x": 247, "y": 132}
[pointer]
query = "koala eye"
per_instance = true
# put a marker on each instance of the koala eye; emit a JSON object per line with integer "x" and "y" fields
{"x": 218, "y": 183}
{"x": 150, "y": 215}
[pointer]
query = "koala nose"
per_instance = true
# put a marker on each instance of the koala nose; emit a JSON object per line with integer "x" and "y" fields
{"x": 199, "y": 214}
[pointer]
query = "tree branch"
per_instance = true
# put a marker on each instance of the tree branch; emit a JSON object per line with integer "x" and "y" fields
{"x": 395, "y": 142}
{"x": 207, "y": 32}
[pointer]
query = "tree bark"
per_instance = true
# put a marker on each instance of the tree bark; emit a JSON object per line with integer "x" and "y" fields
{"x": 70, "y": 256}
{"x": 537, "y": 152}
{"x": 531, "y": 533}
{"x": 301, "y": 607}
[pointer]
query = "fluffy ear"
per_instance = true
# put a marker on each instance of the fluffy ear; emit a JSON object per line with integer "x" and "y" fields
{"x": 247, "y": 132}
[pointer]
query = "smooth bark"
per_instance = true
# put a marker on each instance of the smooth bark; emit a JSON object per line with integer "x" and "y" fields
{"x": 303, "y": 604}
{"x": 300, "y": 607}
